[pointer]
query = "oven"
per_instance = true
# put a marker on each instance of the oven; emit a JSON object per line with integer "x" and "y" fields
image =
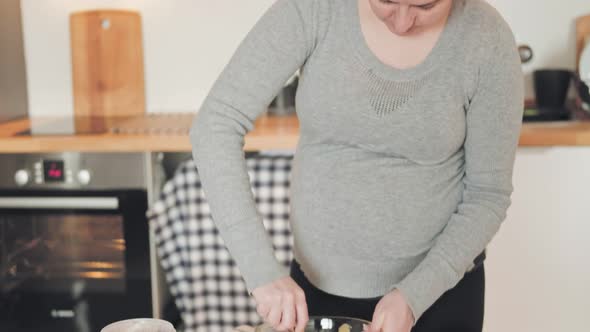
{"x": 74, "y": 241}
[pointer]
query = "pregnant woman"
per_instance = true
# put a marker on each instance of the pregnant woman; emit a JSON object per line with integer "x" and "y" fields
{"x": 410, "y": 113}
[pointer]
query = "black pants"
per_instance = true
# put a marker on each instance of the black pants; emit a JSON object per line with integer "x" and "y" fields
{"x": 460, "y": 309}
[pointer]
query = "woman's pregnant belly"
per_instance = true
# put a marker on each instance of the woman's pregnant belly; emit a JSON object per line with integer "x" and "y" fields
{"x": 361, "y": 204}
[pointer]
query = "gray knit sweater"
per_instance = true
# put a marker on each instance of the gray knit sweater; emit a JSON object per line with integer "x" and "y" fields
{"x": 400, "y": 178}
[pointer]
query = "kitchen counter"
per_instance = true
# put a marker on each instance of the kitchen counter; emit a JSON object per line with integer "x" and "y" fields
{"x": 150, "y": 132}
{"x": 169, "y": 133}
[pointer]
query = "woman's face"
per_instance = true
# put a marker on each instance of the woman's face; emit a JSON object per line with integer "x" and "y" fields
{"x": 405, "y": 17}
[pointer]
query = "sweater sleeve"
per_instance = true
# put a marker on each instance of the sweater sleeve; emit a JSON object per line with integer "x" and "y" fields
{"x": 272, "y": 51}
{"x": 493, "y": 123}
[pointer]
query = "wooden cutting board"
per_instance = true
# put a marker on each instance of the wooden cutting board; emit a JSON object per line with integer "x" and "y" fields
{"x": 582, "y": 36}
{"x": 107, "y": 63}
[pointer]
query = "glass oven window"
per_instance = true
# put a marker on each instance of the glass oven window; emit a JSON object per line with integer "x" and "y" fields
{"x": 62, "y": 253}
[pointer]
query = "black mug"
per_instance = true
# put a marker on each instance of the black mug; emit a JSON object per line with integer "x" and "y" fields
{"x": 551, "y": 87}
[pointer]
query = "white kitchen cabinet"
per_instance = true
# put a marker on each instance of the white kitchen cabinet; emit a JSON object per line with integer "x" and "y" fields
{"x": 538, "y": 265}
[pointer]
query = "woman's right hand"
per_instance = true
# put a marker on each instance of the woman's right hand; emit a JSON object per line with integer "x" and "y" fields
{"x": 282, "y": 305}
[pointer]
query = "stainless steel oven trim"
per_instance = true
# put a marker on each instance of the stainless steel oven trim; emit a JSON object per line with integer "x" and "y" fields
{"x": 81, "y": 203}
{"x": 108, "y": 171}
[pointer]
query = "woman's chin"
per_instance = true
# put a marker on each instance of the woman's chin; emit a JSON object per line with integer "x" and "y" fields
{"x": 407, "y": 33}
{"x": 413, "y": 31}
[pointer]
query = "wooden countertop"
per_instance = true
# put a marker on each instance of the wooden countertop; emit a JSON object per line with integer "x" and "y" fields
{"x": 150, "y": 132}
{"x": 169, "y": 133}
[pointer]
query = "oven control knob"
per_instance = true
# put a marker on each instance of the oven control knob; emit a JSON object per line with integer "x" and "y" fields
{"x": 22, "y": 177}
{"x": 84, "y": 176}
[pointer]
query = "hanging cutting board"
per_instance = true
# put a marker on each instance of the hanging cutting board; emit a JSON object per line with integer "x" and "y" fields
{"x": 582, "y": 36}
{"x": 107, "y": 63}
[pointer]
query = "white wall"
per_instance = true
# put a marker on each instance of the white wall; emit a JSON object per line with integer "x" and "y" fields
{"x": 187, "y": 43}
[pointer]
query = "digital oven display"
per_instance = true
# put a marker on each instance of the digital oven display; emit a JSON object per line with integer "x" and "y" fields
{"x": 53, "y": 170}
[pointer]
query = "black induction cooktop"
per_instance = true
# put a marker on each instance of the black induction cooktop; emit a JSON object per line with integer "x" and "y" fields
{"x": 66, "y": 125}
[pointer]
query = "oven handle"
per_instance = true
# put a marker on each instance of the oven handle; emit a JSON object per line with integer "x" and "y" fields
{"x": 82, "y": 203}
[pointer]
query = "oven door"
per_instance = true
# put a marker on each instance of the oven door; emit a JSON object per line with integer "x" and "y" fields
{"x": 73, "y": 260}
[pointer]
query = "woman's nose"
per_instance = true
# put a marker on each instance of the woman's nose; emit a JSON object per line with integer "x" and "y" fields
{"x": 404, "y": 20}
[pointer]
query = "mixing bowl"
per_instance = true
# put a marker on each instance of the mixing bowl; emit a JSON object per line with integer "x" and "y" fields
{"x": 326, "y": 324}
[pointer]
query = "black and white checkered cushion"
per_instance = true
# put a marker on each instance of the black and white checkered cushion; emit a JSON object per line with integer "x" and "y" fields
{"x": 205, "y": 282}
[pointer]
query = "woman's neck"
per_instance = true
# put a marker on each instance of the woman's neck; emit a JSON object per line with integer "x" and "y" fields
{"x": 386, "y": 45}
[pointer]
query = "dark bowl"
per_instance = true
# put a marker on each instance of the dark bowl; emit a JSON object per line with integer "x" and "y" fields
{"x": 551, "y": 86}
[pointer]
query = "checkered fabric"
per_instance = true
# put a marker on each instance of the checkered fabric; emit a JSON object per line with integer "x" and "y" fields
{"x": 207, "y": 286}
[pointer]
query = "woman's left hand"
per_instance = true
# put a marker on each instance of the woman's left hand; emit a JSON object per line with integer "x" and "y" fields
{"x": 392, "y": 314}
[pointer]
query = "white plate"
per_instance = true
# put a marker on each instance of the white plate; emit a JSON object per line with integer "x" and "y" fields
{"x": 139, "y": 325}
